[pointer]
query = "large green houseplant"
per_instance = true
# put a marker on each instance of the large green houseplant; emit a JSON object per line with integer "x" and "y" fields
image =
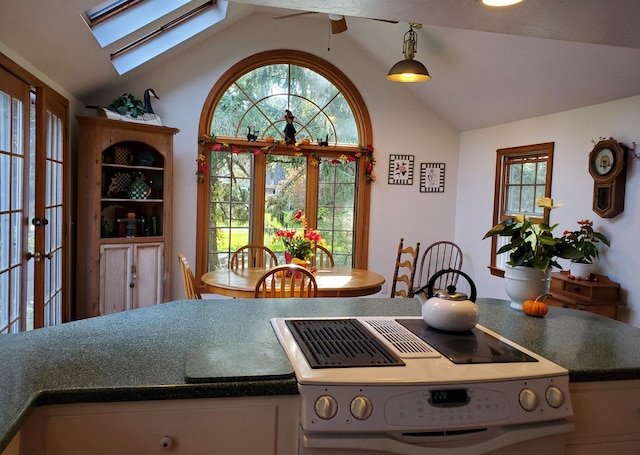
{"x": 532, "y": 244}
{"x": 533, "y": 252}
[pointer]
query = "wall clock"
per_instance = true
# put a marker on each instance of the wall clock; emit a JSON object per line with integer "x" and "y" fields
{"x": 608, "y": 167}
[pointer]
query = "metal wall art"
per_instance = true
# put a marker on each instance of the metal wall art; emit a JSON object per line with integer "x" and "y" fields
{"x": 401, "y": 170}
{"x": 432, "y": 177}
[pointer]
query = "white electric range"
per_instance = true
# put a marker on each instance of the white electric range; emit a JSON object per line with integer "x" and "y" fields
{"x": 372, "y": 379}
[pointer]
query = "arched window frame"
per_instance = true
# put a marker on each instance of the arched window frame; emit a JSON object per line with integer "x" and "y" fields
{"x": 363, "y": 152}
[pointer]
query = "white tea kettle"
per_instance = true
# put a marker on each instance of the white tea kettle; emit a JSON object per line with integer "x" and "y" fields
{"x": 446, "y": 309}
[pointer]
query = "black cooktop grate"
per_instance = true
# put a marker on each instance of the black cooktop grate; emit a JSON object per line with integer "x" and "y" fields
{"x": 339, "y": 343}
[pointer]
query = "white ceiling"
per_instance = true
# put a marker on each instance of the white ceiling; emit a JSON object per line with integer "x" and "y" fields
{"x": 489, "y": 66}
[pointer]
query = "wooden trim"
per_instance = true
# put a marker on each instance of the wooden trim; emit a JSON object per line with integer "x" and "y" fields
{"x": 499, "y": 197}
{"x": 365, "y": 132}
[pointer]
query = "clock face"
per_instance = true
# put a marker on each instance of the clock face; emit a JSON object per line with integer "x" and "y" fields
{"x": 603, "y": 161}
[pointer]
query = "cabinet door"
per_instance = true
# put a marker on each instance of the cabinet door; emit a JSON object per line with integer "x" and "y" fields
{"x": 147, "y": 274}
{"x": 116, "y": 263}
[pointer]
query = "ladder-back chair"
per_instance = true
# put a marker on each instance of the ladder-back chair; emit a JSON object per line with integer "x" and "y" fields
{"x": 405, "y": 270}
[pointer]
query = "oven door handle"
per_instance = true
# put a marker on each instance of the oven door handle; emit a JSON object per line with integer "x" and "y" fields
{"x": 384, "y": 443}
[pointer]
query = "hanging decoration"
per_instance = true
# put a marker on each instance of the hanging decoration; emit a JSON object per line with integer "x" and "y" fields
{"x": 313, "y": 157}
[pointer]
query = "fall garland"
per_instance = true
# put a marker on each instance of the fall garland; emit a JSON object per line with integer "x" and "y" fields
{"x": 312, "y": 156}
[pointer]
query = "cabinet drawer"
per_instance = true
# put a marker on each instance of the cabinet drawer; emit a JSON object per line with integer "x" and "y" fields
{"x": 588, "y": 290}
{"x": 243, "y": 425}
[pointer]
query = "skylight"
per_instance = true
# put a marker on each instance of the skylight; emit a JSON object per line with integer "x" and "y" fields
{"x": 131, "y": 24}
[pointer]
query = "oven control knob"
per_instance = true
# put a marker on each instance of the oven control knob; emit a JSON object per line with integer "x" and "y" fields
{"x": 554, "y": 396}
{"x": 528, "y": 400}
{"x": 326, "y": 407}
{"x": 361, "y": 407}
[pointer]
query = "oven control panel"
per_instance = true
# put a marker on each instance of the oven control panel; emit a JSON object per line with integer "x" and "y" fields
{"x": 348, "y": 408}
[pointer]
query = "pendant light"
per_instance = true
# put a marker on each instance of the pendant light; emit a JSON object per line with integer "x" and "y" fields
{"x": 500, "y": 2}
{"x": 409, "y": 70}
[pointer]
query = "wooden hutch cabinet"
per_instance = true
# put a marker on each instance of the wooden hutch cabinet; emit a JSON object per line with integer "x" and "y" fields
{"x": 124, "y": 215}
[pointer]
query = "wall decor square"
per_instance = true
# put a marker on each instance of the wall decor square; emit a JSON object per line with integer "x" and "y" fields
{"x": 432, "y": 177}
{"x": 401, "y": 170}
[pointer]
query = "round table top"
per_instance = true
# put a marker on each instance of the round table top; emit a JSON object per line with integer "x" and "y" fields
{"x": 332, "y": 282}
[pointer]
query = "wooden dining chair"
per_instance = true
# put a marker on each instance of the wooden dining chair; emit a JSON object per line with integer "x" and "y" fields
{"x": 439, "y": 256}
{"x": 286, "y": 281}
{"x": 405, "y": 270}
{"x": 322, "y": 258}
{"x": 253, "y": 255}
{"x": 188, "y": 279}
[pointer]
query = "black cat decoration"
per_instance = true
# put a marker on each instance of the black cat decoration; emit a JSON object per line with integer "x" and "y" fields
{"x": 289, "y": 129}
{"x": 324, "y": 143}
{"x": 251, "y": 137}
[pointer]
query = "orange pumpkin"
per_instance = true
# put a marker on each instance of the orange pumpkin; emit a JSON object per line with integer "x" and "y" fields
{"x": 535, "y": 307}
{"x": 270, "y": 139}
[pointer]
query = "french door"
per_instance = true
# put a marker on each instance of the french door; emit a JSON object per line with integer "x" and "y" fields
{"x": 33, "y": 211}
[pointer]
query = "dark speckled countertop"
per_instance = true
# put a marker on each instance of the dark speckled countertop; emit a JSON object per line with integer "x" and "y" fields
{"x": 229, "y": 346}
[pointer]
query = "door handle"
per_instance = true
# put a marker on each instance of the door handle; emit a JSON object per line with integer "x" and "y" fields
{"x": 35, "y": 256}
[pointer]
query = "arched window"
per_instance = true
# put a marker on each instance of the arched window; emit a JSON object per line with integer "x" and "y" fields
{"x": 252, "y": 180}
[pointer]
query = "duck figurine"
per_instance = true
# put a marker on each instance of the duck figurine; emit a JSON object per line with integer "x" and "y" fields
{"x": 130, "y": 109}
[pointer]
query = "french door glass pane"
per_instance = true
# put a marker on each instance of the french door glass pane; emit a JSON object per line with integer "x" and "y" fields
{"x": 53, "y": 214}
{"x": 11, "y": 215}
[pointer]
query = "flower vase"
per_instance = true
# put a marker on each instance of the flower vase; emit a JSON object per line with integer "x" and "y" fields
{"x": 525, "y": 283}
{"x": 289, "y": 259}
{"x": 580, "y": 270}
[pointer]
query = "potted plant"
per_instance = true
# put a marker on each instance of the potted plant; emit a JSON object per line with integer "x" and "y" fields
{"x": 585, "y": 240}
{"x": 533, "y": 252}
{"x": 299, "y": 245}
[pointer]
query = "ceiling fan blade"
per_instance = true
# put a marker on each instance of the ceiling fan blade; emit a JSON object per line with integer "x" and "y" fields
{"x": 304, "y": 13}
{"x": 338, "y": 26}
{"x": 382, "y": 20}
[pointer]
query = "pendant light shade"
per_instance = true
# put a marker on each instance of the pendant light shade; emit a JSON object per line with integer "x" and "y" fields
{"x": 409, "y": 70}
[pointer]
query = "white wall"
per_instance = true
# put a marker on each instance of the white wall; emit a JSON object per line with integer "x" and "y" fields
{"x": 574, "y": 133}
{"x": 401, "y": 125}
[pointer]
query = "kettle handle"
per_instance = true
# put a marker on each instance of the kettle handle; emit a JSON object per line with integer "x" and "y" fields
{"x": 435, "y": 276}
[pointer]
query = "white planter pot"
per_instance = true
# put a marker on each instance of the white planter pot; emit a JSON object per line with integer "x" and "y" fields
{"x": 525, "y": 283}
{"x": 582, "y": 271}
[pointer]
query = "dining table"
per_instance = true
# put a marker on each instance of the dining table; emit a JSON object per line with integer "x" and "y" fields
{"x": 331, "y": 281}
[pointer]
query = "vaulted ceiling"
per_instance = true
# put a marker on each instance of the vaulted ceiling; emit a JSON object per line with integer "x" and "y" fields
{"x": 489, "y": 66}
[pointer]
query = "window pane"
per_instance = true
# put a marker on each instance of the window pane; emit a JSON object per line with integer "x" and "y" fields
{"x": 515, "y": 173}
{"x": 229, "y": 217}
{"x": 336, "y": 208}
{"x": 528, "y": 173}
{"x": 286, "y": 194}
{"x": 542, "y": 173}
{"x": 528, "y": 201}
{"x": 513, "y": 199}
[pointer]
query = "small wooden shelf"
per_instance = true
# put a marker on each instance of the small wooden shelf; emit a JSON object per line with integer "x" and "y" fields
{"x": 599, "y": 297}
